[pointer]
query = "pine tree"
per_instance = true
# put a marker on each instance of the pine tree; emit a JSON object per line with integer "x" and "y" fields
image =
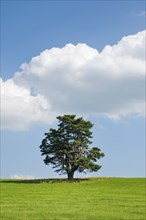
{"x": 67, "y": 147}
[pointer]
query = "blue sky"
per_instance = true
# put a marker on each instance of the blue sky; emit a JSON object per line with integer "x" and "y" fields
{"x": 28, "y": 29}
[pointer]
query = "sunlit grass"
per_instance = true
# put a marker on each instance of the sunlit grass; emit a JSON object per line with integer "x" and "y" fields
{"x": 87, "y": 199}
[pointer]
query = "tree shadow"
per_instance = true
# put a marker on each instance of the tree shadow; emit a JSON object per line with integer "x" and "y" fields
{"x": 38, "y": 181}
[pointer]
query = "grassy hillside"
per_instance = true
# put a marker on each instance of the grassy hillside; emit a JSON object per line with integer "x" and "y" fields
{"x": 90, "y": 199}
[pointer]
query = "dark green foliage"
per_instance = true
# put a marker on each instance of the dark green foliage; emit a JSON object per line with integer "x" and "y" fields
{"x": 67, "y": 147}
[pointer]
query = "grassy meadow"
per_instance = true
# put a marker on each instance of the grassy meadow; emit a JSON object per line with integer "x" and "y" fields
{"x": 84, "y": 199}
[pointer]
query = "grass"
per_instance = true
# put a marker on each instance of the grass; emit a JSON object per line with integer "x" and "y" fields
{"x": 87, "y": 199}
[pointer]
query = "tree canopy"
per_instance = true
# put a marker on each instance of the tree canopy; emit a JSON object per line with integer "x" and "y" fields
{"x": 67, "y": 148}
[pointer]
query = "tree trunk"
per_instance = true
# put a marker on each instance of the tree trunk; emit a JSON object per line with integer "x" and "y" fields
{"x": 70, "y": 175}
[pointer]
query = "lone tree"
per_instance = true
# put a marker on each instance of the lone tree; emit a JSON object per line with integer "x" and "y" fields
{"x": 67, "y": 147}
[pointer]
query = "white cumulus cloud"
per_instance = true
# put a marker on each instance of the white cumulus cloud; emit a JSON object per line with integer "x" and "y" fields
{"x": 77, "y": 79}
{"x": 19, "y": 108}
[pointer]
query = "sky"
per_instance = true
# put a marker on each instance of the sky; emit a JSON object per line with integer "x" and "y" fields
{"x": 73, "y": 57}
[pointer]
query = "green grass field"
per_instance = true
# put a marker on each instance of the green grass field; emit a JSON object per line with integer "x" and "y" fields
{"x": 87, "y": 199}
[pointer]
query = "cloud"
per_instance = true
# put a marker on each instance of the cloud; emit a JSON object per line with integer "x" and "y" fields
{"x": 19, "y": 107}
{"x": 77, "y": 79}
{"x": 142, "y": 14}
{"x": 15, "y": 176}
